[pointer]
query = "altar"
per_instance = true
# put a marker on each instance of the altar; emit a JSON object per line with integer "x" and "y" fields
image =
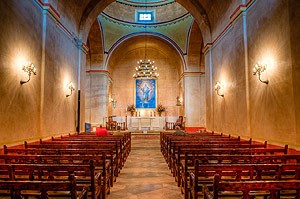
{"x": 145, "y": 123}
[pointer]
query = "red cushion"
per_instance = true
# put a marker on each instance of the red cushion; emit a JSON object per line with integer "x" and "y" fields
{"x": 101, "y": 131}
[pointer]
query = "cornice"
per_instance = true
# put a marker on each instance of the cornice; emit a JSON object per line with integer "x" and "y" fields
{"x": 56, "y": 17}
{"x": 233, "y": 17}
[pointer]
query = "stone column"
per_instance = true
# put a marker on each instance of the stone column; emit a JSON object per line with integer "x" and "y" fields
{"x": 96, "y": 96}
{"x": 194, "y": 99}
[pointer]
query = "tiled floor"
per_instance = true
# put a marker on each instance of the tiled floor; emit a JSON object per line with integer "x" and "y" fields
{"x": 145, "y": 174}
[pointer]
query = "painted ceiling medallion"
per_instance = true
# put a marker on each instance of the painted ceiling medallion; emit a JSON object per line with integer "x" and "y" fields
{"x": 142, "y": 3}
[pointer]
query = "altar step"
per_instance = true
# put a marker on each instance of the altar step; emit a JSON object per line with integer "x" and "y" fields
{"x": 145, "y": 132}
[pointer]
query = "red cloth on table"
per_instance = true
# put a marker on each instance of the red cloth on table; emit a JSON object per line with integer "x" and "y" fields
{"x": 101, "y": 131}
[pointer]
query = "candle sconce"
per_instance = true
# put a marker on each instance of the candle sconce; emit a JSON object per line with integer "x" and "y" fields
{"x": 259, "y": 69}
{"x": 114, "y": 102}
{"x": 30, "y": 69}
{"x": 218, "y": 87}
{"x": 71, "y": 87}
{"x": 178, "y": 101}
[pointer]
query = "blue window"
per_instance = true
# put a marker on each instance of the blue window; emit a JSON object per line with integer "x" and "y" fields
{"x": 145, "y": 16}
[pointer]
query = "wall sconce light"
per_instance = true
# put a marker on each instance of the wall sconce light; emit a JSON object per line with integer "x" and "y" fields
{"x": 71, "y": 87}
{"x": 29, "y": 68}
{"x": 114, "y": 102}
{"x": 178, "y": 101}
{"x": 218, "y": 87}
{"x": 259, "y": 69}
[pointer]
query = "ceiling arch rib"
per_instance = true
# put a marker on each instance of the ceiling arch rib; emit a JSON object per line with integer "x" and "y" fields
{"x": 148, "y": 34}
{"x": 137, "y": 44}
{"x": 95, "y": 7}
{"x": 177, "y": 30}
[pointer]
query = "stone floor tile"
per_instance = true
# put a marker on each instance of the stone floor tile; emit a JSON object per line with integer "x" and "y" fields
{"x": 145, "y": 174}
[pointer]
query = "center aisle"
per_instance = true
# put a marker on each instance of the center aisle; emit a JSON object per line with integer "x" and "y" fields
{"x": 145, "y": 174}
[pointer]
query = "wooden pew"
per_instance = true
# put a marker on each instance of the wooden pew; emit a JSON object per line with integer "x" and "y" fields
{"x": 43, "y": 187}
{"x": 188, "y": 164}
{"x": 175, "y": 149}
{"x": 203, "y": 174}
{"x": 86, "y": 175}
{"x": 73, "y": 152}
{"x": 272, "y": 189}
{"x": 99, "y": 145}
{"x": 180, "y": 173}
{"x": 103, "y": 163}
{"x": 176, "y": 157}
{"x": 168, "y": 139}
{"x": 123, "y": 142}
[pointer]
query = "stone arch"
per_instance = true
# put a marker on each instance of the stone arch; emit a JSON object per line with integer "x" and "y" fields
{"x": 154, "y": 44}
{"x": 95, "y": 7}
{"x": 150, "y": 34}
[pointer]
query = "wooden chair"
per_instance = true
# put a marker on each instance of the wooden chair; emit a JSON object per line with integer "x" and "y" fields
{"x": 179, "y": 122}
{"x": 111, "y": 124}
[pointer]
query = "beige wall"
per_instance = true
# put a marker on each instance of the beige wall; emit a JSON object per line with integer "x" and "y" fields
{"x": 251, "y": 108}
{"x": 122, "y": 66}
{"x": 19, "y": 105}
{"x": 39, "y": 108}
{"x": 194, "y": 100}
{"x": 294, "y": 17}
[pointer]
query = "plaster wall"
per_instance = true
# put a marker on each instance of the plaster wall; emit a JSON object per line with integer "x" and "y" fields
{"x": 39, "y": 108}
{"x": 219, "y": 14}
{"x": 95, "y": 56}
{"x": 194, "y": 50}
{"x": 123, "y": 85}
{"x": 230, "y": 111}
{"x": 273, "y": 106}
{"x": 294, "y": 16}
{"x": 96, "y": 98}
{"x": 194, "y": 100}
{"x": 60, "y": 68}
{"x": 19, "y": 105}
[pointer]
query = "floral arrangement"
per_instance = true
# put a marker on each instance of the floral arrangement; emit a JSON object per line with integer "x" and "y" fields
{"x": 131, "y": 108}
{"x": 160, "y": 108}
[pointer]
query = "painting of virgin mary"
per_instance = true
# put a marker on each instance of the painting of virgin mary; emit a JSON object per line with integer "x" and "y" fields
{"x": 145, "y": 96}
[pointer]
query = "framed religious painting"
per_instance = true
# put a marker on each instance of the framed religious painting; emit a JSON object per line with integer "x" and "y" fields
{"x": 145, "y": 93}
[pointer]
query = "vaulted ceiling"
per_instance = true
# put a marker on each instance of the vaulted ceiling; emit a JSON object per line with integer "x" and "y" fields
{"x": 207, "y": 13}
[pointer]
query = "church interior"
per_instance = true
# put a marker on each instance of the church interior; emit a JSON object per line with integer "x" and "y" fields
{"x": 227, "y": 69}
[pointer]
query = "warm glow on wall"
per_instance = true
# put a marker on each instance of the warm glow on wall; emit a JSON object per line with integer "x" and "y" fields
{"x": 68, "y": 87}
{"x": 19, "y": 61}
{"x": 269, "y": 60}
{"x": 219, "y": 88}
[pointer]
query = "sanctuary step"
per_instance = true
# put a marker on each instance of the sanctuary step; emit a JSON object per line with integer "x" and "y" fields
{"x": 145, "y": 132}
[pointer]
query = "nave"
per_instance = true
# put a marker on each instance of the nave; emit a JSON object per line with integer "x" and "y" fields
{"x": 203, "y": 164}
{"x": 145, "y": 174}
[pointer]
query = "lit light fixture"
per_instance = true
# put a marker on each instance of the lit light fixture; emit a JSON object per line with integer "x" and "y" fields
{"x": 259, "y": 69}
{"x": 71, "y": 87}
{"x": 114, "y": 102}
{"x": 178, "y": 101}
{"x": 145, "y": 70}
{"x": 218, "y": 87}
{"x": 29, "y": 68}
